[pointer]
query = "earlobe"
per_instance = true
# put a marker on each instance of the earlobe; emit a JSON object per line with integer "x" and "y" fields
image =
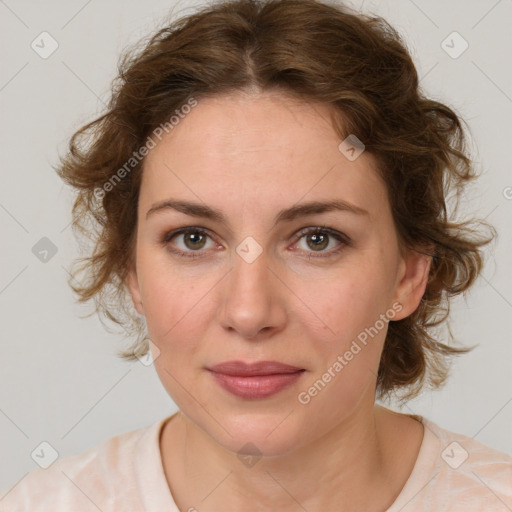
{"x": 415, "y": 268}
{"x": 133, "y": 287}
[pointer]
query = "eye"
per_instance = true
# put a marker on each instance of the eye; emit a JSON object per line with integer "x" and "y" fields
{"x": 193, "y": 240}
{"x": 317, "y": 239}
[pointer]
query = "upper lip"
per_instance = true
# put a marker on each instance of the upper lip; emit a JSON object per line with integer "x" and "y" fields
{"x": 242, "y": 369}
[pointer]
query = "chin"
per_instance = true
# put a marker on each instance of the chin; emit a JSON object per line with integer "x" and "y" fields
{"x": 256, "y": 434}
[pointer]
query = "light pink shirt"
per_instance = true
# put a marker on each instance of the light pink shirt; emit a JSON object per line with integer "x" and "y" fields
{"x": 452, "y": 473}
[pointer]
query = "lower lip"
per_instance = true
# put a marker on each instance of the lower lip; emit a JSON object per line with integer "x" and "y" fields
{"x": 261, "y": 386}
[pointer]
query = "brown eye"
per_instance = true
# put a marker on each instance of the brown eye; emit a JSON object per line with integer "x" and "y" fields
{"x": 318, "y": 239}
{"x": 188, "y": 242}
{"x": 194, "y": 240}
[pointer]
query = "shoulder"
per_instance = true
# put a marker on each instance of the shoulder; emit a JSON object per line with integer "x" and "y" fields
{"x": 470, "y": 462}
{"x": 85, "y": 481}
{"x": 458, "y": 473}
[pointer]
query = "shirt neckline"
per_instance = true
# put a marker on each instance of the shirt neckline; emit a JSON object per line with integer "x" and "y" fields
{"x": 154, "y": 489}
{"x": 424, "y": 466}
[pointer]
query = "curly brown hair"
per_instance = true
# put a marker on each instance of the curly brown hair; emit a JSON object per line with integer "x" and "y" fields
{"x": 359, "y": 66}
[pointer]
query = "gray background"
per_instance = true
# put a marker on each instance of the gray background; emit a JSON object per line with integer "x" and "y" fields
{"x": 60, "y": 379}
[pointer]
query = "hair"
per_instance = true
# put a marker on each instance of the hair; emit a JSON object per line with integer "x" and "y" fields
{"x": 359, "y": 66}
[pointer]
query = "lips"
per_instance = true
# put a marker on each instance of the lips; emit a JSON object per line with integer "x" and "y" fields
{"x": 241, "y": 369}
{"x": 255, "y": 380}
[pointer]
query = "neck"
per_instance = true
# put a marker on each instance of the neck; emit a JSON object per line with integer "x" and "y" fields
{"x": 354, "y": 464}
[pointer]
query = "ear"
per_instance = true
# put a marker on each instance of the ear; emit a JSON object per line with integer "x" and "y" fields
{"x": 412, "y": 280}
{"x": 132, "y": 284}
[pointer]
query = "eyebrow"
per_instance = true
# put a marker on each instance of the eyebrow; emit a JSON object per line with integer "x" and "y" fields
{"x": 285, "y": 215}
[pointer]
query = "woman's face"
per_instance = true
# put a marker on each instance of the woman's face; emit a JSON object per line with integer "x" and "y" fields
{"x": 257, "y": 283}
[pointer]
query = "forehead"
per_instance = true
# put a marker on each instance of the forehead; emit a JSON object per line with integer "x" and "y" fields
{"x": 258, "y": 151}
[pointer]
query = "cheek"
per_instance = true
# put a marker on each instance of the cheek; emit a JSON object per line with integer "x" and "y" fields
{"x": 346, "y": 332}
{"x": 347, "y": 353}
{"x": 347, "y": 302}
{"x": 174, "y": 300}
{"x": 177, "y": 310}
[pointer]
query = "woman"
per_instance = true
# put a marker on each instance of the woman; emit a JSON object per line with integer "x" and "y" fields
{"x": 268, "y": 187}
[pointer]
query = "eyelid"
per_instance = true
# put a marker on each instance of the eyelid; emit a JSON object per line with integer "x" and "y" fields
{"x": 342, "y": 237}
{"x": 186, "y": 229}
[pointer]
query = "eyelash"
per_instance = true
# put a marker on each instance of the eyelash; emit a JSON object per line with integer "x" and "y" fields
{"x": 340, "y": 237}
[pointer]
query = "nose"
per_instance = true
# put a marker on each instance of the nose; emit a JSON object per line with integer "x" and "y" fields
{"x": 254, "y": 299}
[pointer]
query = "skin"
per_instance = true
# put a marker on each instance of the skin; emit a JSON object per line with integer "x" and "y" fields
{"x": 250, "y": 155}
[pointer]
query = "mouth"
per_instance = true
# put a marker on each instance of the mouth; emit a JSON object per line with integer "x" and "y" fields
{"x": 255, "y": 380}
